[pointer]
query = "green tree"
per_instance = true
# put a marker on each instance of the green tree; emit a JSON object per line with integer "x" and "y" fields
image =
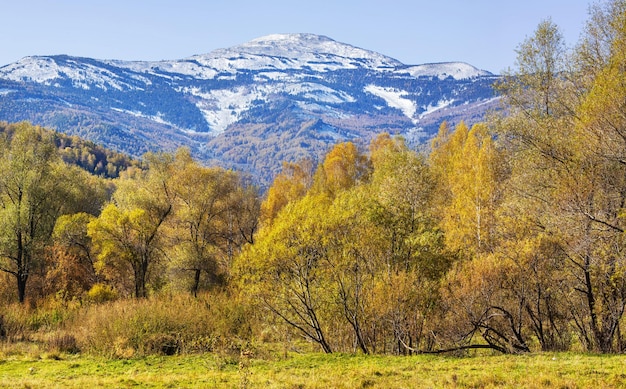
{"x": 129, "y": 231}
{"x": 32, "y": 196}
{"x": 214, "y": 217}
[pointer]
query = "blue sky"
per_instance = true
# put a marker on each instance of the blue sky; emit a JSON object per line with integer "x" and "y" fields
{"x": 483, "y": 33}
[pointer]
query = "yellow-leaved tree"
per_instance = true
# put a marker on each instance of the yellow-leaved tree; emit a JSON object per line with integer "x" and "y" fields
{"x": 469, "y": 170}
{"x": 128, "y": 235}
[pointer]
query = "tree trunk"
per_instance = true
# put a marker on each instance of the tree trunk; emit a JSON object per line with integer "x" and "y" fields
{"x": 196, "y": 282}
{"x": 21, "y": 285}
{"x": 359, "y": 336}
{"x": 141, "y": 271}
{"x": 22, "y": 272}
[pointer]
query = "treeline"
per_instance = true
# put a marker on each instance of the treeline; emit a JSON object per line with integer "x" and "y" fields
{"x": 65, "y": 232}
{"x": 508, "y": 235}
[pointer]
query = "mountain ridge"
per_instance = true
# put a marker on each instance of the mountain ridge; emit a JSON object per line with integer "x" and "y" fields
{"x": 229, "y": 106}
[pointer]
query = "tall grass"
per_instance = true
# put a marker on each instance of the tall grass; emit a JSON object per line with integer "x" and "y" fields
{"x": 166, "y": 324}
{"x": 23, "y": 322}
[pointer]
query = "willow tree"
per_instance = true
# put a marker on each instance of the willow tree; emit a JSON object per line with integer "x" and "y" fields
{"x": 214, "y": 216}
{"x": 129, "y": 233}
{"x": 286, "y": 270}
{"x": 300, "y": 266}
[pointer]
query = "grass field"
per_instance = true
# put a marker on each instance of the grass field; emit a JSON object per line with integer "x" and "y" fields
{"x": 316, "y": 371}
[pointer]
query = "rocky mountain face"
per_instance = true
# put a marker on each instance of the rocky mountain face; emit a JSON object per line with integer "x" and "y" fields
{"x": 249, "y": 107}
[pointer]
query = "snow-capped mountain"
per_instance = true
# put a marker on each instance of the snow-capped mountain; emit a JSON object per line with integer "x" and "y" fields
{"x": 251, "y": 106}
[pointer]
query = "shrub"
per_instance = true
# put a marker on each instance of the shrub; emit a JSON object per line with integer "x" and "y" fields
{"x": 21, "y": 321}
{"x": 122, "y": 349}
{"x": 166, "y": 324}
{"x": 164, "y": 344}
{"x": 63, "y": 343}
{"x": 100, "y": 293}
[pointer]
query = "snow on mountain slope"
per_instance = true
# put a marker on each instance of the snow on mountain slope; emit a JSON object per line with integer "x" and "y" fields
{"x": 395, "y": 98}
{"x": 82, "y": 73}
{"x": 309, "y": 48}
{"x": 252, "y": 106}
{"x": 273, "y": 54}
{"x": 456, "y": 70}
{"x": 37, "y": 69}
{"x": 277, "y": 52}
{"x": 223, "y": 107}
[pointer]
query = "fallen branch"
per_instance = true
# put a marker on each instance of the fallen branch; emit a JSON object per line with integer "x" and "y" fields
{"x": 449, "y": 350}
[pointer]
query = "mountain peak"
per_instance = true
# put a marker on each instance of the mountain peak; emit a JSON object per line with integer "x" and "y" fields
{"x": 291, "y": 37}
{"x": 300, "y": 50}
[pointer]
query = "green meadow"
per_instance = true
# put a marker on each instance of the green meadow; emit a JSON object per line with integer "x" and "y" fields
{"x": 313, "y": 370}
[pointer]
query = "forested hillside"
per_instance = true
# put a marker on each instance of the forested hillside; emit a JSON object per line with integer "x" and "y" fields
{"x": 87, "y": 155}
{"x": 508, "y": 235}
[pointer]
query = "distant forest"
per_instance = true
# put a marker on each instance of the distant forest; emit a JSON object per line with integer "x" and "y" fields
{"x": 87, "y": 155}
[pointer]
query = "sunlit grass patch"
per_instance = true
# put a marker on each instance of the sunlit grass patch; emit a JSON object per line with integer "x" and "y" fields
{"x": 313, "y": 370}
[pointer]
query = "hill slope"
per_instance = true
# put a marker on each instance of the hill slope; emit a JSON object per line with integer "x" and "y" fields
{"x": 249, "y": 107}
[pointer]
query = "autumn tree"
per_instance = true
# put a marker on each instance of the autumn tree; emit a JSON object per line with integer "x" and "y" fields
{"x": 299, "y": 266}
{"x": 35, "y": 188}
{"x": 469, "y": 170}
{"x": 330, "y": 261}
{"x": 353, "y": 260}
{"x": 214, "y": 216}
{"x": 411, "y": 256}
{"x": 290, "y": 184}
{"x": 343, "y": 167}
{"x": 72, "y": 269}
{"x": 566, "y": 169}
{"x": 286, "y": 269}
{"x": 598, "y": 193}
{"x": 129, "y": 232}
{"x": 536, "y": 84}
{"x": 593, "y": 52}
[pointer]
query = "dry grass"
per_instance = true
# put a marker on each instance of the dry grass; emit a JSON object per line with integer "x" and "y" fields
{"x": 165, "y": 325}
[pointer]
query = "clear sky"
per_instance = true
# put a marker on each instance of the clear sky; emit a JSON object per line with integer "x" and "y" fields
{"x": 484, "y": 33}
